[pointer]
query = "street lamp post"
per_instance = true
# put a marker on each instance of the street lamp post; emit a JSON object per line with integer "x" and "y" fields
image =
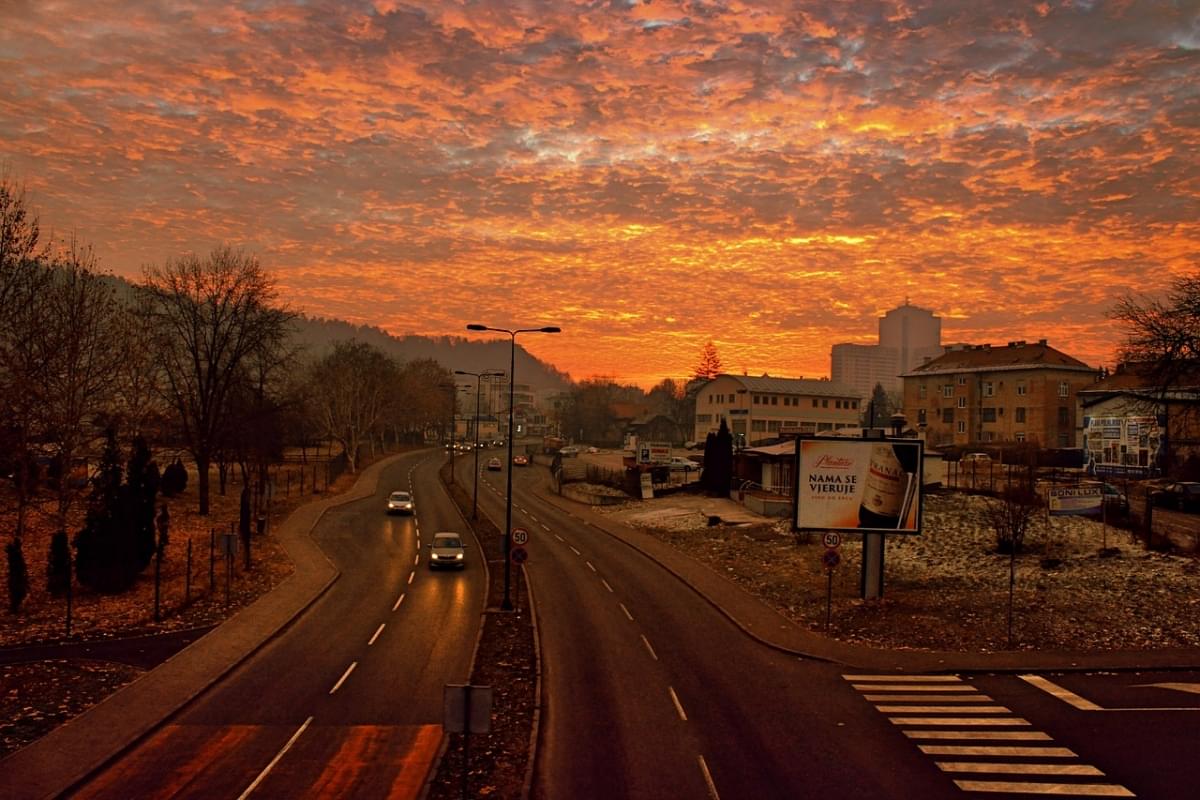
{"x": 453, "y": 389}
{"x": 479, "y": 376}
{"x": 506, "y": 605}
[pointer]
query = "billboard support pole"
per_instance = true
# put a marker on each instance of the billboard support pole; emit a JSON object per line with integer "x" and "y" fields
{"x": 872, "y": 566}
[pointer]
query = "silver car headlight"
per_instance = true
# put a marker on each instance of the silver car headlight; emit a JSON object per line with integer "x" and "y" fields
{"x": 458, "y": 557}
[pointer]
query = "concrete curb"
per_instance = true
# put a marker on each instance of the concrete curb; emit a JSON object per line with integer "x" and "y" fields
{"x": 71, "y": 753}
{"x": 779, "y": 633}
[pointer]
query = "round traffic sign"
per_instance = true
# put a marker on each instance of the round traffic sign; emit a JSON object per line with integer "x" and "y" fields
{"x": 520, "y": 536}
{"x": 519, "y": 555}
{"x": 832, "y": 539}
{"x": 831, "y": 558}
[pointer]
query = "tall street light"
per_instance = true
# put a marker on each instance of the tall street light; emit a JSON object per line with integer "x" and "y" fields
{"x": 512, "y": 382}
{"x": 453, "y": 389}
{"x": 479, "y": 376}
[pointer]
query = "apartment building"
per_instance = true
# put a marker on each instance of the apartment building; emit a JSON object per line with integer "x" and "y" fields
{"x": 907, "y": 335}
{"x": 758, "y": 409}
{"x": 1024, "y": 392}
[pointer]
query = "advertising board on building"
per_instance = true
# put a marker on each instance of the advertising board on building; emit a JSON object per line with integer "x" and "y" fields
{"x": 858, "y": 485}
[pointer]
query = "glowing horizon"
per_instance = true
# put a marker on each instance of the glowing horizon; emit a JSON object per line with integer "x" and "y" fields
{"x": 649, "y": 176}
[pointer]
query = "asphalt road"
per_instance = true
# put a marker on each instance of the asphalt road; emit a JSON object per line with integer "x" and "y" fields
{"x": 652, "y": 693}
{"x": 348, "y": 700}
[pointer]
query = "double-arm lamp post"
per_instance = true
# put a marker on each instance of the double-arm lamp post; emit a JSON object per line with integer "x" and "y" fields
{"x": 507, "y": 605}
{"x": 453, "y": 389}
{"x": 479, "y": 376}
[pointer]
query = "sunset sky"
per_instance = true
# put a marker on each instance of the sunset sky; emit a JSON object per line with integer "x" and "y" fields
{"x": 647, "y": 175}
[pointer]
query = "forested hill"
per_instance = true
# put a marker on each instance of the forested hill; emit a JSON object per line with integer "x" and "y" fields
{"x": 452, "y": 352}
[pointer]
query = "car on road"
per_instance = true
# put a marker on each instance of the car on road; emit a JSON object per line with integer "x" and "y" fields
{"x": 1177, "y": 495}
{"x": 569, "y": 450}
{"x": 681, "y": 464}
{"x": 447, "y": 550}
{"x": 400, "y": 503}
{"x": 521, "y": 461}
{"x": 593, "y": 450}
{"x": 494, "y": 464}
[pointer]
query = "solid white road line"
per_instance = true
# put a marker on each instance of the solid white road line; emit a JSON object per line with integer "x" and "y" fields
{"x": 378, "y": 631}
{"x": 995, "y": 750}
{"x": 1061, "y": 789}
{"x": 606, "y": 586}
{"x": 646, "y": 642}
{"x": 399, "y": 600}
{"x": 345, "y": 675}
{"x": 626, "y": 610}
{"x": 1066, "y": 695}
{"x": 592, "y": 568}
{"x": 998, "y": 721}
{"x": 708, "y": 781}
{"x": 1010, "y": 736}
{"x": 274, "y": 760}
{"x": 1019, "y": 769}
{"x": 678, "y": 705}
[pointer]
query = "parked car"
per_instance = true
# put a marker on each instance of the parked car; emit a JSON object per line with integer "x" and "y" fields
{"x": 399, "y": 503}
{"x": 976, "y": 458}
{"x": 1115, "y": 499}
{"x": 520, "y": 461}
{"x": 681, "y": 464}
{"x": 447, "y": 550}
{"x": 494, "y": 464}
{"x": 569, "y": 450}
{"x": 593, "y": 450}
{"x": 1179, "y": 495}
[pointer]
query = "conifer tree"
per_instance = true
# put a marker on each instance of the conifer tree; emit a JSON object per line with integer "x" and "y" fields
{"x": 710, "y": 363}
{"x": 18, "y": 575}
{"x": 58, "y": 568}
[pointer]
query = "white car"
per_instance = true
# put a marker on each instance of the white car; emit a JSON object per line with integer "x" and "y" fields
{"x": 569, "y": 450}
{"x": 399, "y": 503}
{"x": 447, "y": 550}
{"x": 681, "y": 464}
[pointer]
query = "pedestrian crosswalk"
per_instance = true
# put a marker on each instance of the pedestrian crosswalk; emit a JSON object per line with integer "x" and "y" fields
{"x": 982, "y": 745}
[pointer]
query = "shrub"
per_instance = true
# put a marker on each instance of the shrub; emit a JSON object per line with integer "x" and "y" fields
{"x": 58, "y": 568}
{"x": 18, "y": 575}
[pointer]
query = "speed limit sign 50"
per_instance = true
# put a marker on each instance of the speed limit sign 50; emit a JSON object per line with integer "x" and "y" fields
{"x": 832, "y": 540}
{"x": 520, "y": 536}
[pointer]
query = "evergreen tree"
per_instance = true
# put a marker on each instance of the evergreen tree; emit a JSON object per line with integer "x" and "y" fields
{"x": 58, "y": 568}
{"x": 139, "y": 499}
{"x": 18, "y": 575}
{"x": 710, "y": 363}
{"x": 718, "y": 462}
{"x": 174, "y": 479}
{"x": 117, "y": 539}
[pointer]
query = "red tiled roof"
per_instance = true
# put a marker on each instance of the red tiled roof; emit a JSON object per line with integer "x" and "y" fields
{"x": 1014, "y": 355}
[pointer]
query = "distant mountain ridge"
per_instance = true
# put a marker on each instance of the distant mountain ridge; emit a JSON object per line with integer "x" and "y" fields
{"x": 318, "y": 335}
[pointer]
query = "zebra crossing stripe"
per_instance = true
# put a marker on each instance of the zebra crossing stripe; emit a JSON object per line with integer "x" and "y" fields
{"x": 994, "y": 750}
{"x": 1061, "y": 789}
{"x": 1002, "y": 721}
{"x": 905, "y": 678}
{"x": 1025, "y": 769}
{"x": 924, "y": 698}
{"x": 943, "y": 709}
{"x": 999, "y": 736}
{"x": 945, "y": 688}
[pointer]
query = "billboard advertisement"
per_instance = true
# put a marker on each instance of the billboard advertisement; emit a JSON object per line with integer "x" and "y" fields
{"x": 858, "y": 485}
{"x": 1066, "y": 500}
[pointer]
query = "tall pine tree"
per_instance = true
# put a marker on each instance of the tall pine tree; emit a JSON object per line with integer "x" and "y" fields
{"x": 710, "y": 363}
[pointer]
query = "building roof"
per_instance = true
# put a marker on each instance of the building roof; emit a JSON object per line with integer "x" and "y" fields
{"x": 798, "y": 386}
{"x": 1013, "y": 356}
{"x": 1139, "y": 379}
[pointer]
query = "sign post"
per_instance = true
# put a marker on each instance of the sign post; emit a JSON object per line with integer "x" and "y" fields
{"x": 519, "y": 555}
{"x": 830, "y": 558}
{"x": 467, "y": 709}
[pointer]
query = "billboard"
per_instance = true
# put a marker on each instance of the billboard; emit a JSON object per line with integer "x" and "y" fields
{"x": 858, "y": 485}
{"x": 1064, "y": 500}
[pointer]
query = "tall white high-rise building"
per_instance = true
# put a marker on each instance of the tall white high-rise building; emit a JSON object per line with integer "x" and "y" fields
{"x": 907, "y": 335}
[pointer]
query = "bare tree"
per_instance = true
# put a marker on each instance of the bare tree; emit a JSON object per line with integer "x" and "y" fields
{"x": 209, "y": 318}
{"x": 1010, "y": 516}
{"x": 350, "y": 391}
{"x": 1164, "y": 335}
{"x": 138, "y": 390}
{"x": 23, "y": 279}
{"x": 82, "y": 348}
{"x": 420, "y": 402}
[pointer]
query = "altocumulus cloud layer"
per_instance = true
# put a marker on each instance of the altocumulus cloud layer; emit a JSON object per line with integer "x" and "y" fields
{"x": 648, "y": 175}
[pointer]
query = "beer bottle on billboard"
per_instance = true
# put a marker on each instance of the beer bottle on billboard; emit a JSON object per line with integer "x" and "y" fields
{"x": 890, "y": 471}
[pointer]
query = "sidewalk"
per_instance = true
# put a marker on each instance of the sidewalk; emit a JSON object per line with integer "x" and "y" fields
{"x": 777, "y": 631}
{"x": 67, "y": 755}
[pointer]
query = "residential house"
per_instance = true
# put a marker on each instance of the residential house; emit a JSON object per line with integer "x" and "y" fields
{"x": 1023, "y": 392}
{"x": 763, "y": 408}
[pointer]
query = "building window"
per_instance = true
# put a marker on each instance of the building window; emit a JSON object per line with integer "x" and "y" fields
{"x": 947, "y": 415}
{"x": 1020, "y": 437}
{"x": 837, "y": 403}
{"x": 758, "y": 426}
{"x": 703, "y": 418}
{"x": 1064, "y": 389}
{"x": 962, "y": 402}
{"x": 824, "y": 426}
{"x": 1062, "y": 440}
{"x": 962, "y": 380}
{"x": 854, "y": 404}
{"x": 814, "y": 402}
{"x": 1020, "y": 413}
{"x": 774, "y": 399}
{"x": 989, "y": 389}
{"x": 921, "y": 392}
{"x": 1064, "y": 417}
{"x": 773, "y": 425}
{"x": 948, "y": 390}
{"x": 1020, "y": 388}
{"x": 988, "y": 415}
{"x": 921, "y": 416}
{"x": 824, "y": 404}
{"x": 961, "y": 427}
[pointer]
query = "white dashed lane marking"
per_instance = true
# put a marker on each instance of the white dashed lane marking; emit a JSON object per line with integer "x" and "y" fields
{"x": 342, "y": 679}
{"x": 926, "y": 705}
{"x": 378, "y": 631}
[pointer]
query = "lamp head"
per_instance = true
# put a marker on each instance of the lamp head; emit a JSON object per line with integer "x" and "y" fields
{"x": 550, "y": 329}
{"x": 475, "y": 326}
